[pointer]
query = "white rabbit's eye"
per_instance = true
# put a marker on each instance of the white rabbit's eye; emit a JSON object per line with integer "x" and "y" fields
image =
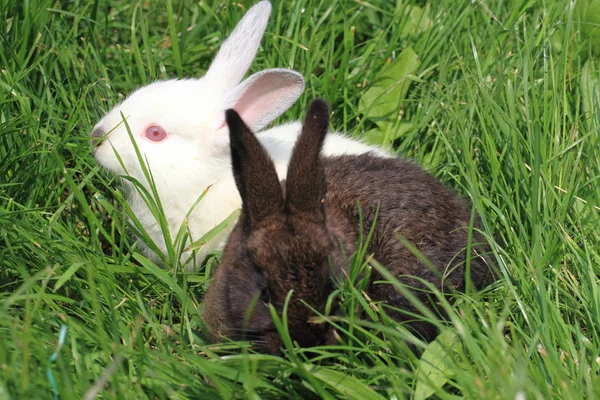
{"x": 155, "y": 133}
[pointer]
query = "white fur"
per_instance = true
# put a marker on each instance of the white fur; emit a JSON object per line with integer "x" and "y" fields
{"x": 195, "y": 154}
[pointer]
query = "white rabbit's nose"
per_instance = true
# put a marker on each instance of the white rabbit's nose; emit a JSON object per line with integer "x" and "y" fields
{"x": 97, "y": 133}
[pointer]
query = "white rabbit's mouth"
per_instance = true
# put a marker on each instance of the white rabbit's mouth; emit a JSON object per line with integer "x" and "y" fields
{"x": 95, "y": 146}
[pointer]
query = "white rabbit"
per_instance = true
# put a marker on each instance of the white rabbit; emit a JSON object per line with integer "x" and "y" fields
{"x": 180, "y": 130}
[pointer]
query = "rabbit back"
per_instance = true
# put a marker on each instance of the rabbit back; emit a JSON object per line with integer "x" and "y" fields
{"x": 401, "y": 199}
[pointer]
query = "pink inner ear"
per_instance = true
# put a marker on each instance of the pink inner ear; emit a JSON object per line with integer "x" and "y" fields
{"x": 265, "y": 99}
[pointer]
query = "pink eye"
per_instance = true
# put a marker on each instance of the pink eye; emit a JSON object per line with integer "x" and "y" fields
{"x": 155, "y": 133}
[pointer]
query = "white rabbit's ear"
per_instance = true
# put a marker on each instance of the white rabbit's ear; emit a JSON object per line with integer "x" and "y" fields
{"x": 265, "y": 95}
{"x": 238, "y": 51}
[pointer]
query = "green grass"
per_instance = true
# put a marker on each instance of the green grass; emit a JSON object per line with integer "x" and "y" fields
{"x": 502, "y": 105}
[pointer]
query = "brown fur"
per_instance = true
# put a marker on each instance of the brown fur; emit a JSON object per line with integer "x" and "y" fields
{"x": 300, "y": 237}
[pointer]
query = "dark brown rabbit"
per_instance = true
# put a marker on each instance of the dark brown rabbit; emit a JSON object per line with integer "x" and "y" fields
{"x": 299, "y": 234}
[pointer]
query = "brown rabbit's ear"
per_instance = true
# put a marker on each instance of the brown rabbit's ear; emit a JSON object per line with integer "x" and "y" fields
{"x": 305, "y": 183}
{"x": 254, "y": 172}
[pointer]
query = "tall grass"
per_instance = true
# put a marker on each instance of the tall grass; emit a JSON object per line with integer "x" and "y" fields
{"x": 502, "y": 105}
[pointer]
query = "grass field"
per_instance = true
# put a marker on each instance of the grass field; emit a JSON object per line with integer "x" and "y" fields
{"x": 496, "y": 98}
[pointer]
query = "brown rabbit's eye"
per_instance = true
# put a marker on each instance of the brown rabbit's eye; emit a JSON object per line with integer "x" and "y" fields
{"x": 155, "y": 133}
{"x": 265, "y": 296}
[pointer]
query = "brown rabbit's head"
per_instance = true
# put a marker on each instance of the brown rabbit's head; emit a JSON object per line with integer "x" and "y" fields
{"x": 280, "y": 243}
